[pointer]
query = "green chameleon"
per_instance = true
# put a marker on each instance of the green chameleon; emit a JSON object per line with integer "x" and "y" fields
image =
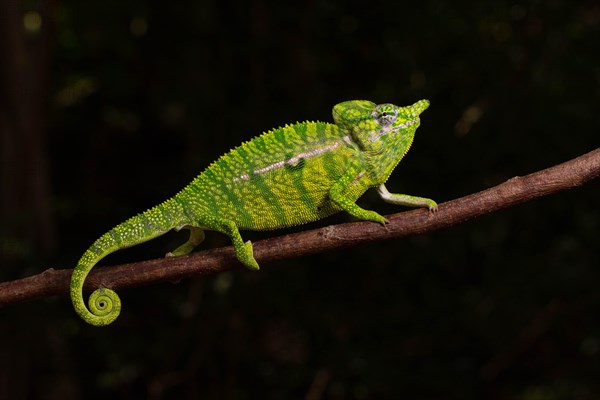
{"x": 288, "y": 176}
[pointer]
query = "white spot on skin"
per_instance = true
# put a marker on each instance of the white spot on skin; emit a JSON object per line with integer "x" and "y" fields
{"x": 295, "y": 159}
{"x": 244, "y": 177}
{"x": 276, "y": 165}
{"x": 309, "y": 154}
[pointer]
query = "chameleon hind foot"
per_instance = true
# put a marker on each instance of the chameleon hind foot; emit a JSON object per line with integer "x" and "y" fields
{"x": 243, "y": 251}
{"x": 196, "y": 237}
{"x": 245, "y": 255}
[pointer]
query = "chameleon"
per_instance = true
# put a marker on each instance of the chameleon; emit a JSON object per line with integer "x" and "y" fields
{"x": 288, "y": 176}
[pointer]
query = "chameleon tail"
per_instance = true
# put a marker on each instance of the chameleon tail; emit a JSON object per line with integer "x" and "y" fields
{"x": 104, "y": 304}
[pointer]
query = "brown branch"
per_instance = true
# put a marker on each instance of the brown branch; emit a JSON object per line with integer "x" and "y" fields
{"x": 514, "y": 191}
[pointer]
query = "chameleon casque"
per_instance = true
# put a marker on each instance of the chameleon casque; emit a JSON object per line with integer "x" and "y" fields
{"x": 288, "y": 176}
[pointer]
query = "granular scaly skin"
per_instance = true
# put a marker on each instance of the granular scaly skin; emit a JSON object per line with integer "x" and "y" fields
{"x": 288, "y": 176}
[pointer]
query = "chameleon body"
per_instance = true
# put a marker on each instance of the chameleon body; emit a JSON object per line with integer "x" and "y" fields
{"x": 288, "y": 176}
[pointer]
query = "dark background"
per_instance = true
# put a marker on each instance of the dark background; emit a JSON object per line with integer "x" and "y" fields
{"x": 108, "y": 108}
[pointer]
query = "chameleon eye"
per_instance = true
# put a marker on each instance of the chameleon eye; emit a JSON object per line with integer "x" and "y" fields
{"x": 385, "y": 114}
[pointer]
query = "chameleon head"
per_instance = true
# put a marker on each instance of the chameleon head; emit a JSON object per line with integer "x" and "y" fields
{"x": 370, "y": 124}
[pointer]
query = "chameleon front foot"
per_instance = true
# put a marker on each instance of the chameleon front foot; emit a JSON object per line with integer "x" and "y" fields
{"x": 432, "y": 205}
{"x": 375, "y": 217}
{"x": 406, "y": 200}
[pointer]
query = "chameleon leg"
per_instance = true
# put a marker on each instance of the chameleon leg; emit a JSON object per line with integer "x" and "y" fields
{"x": 243, "y": 251}
{"x": 339, "y": 197}
{"x": 196, "y": 237}
{"x": 406, "y": 200}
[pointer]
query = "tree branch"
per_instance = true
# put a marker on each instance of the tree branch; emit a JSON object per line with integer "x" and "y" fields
{"x": 514, "y": 191}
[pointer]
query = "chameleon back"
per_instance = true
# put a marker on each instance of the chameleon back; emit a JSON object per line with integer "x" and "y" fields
{"x": 278, "y": 179}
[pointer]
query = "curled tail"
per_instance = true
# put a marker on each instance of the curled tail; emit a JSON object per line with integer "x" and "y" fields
{"x": 104, "y": 304}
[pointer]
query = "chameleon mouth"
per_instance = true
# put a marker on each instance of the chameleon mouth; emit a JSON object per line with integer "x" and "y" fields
{"x": 374, "y": 136}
